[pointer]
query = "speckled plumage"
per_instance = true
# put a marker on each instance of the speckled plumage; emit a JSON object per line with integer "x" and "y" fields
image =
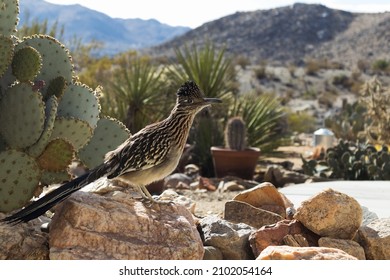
{"x": 147, "y": 156}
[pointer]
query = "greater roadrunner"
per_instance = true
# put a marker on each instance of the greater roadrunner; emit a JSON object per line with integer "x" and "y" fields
{"x": 146, "y": 157}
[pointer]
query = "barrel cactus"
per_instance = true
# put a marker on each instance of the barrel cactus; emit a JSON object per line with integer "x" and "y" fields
{"x": 235, "y": 134}
{"x": 47, "y": 118}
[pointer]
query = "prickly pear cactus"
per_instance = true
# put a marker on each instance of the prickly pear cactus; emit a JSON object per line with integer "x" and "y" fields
{"x": 80, "y": 102}
{"x": 6, "y": 53}
{"x": 57, "y": 156}
{"x": 19, "y": 178}
{"x": 235, "y": 134}
{"x": 22, "y": 116}
{"x": 93, "y": 153}
{"x": 353, "y": 161}
{"x": 26, "y": 64}
{"x": 56, "y": 60}
{"x": 46, "y": 117}
{"x": 9, "y": 11}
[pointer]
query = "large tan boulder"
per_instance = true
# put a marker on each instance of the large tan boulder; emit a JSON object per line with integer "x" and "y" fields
{"x": 90, "y": 226}
{"x": 303, "y": 253}
{"x": 331, "y": 214}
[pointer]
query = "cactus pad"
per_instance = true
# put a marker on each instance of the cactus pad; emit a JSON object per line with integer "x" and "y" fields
{"x": 56, "y": 87}
{"x": 9, "y": 11}
{"x": 6, "y": 53}
{"x": 26, "y": 64}
{"x": 19, "y": 177}
{"x": 80, "y": 102}
{"x": 57, "y": 156}
{"x": 56, "y": 60}
{"x": 50, "y": 113}
{"x": 22, "y": 116}
{"x": 50, "y": 177}
{"x": 76, "y": 131}
{"x": 108, "y": 134}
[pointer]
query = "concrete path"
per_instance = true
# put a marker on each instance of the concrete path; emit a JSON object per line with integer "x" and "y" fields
{"x": 375, "y": 195}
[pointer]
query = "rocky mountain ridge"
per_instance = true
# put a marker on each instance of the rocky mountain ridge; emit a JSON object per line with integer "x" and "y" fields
{"x": 294, "y": 34}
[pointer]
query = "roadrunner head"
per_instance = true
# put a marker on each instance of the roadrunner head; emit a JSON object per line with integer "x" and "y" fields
{"x": 191, "y": 98}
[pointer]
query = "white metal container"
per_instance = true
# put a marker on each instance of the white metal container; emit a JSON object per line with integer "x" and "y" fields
{"x": 323, "y": 137}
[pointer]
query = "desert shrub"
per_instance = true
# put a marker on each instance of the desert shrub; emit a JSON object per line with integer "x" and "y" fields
{"x": 349, "y": 122}
{"x": 312, "y": 67}
{"x": 342, "y": 81}
{"x": 260, "y": 72}
{"x": 381, "y": 66}
{"x": 242, "y": 61}
{"x": 376, "y": 98}
{"x": 327, "y": 98}
{"x": 301, "y": 122}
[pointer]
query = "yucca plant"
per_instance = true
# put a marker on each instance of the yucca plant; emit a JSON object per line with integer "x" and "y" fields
{"x": 208, "y": 67}
{"x": 136, "y": 93}
{"x": 262, "y": 115}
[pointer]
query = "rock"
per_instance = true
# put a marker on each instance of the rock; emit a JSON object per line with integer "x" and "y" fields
{"x": 212, "y": 253}
{"x": 280, "y": 177}
{"x": 89, "y": 226}
{"x": 191, "y": 170}
{"x": 230, "y": 186}
{"x": 350, "y": 247}
{"x": 171, "y": 195}
{"x": 205, "y": 183}
{"x": 296, "y": 240}
{"x": 368, "y": 216}
{"x": 241, "y": 212}
{"x": 289, "y": 240}
{"x": 303, "y": 253}
{"x": 275, "y": 235}
{"x": 247, "y": 184}
{"x": 375, "y": 239}
{"x": 230, "y": 238}
{"x": 172, "y": 181}
{"x": 264, "y": 195}
{"x": 23, "y": 241}
{"x": 331, "y": 214}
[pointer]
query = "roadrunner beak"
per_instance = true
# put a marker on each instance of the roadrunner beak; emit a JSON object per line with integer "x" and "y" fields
{"x": 212, "y": 100}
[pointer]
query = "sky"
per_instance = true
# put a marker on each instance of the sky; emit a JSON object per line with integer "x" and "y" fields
{"x": 196, "y": 12}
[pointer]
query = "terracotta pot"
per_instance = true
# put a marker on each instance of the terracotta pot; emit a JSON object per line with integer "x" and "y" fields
{"x": 228, "y": 162}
